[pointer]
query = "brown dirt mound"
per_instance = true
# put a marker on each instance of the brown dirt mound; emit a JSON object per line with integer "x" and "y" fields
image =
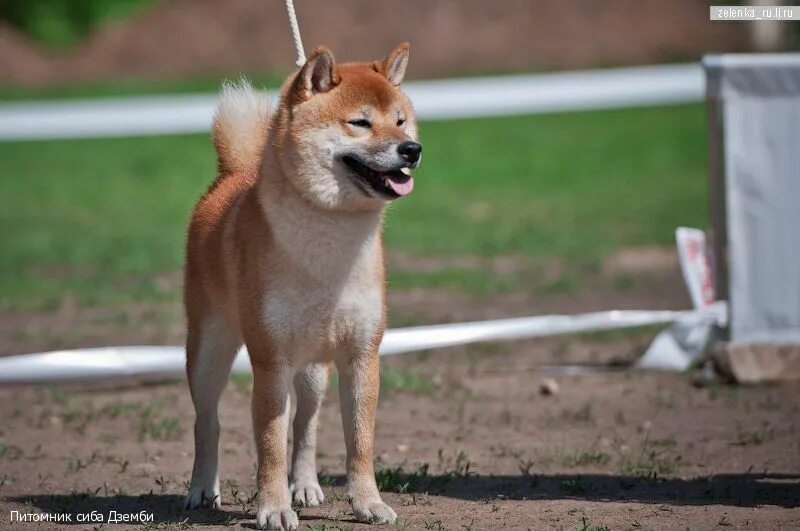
{"x": 21, "y": 62}
{"x": 193, "y": 37}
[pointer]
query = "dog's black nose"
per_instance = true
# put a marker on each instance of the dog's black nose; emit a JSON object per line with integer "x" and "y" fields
{"x": 410, "y": 151}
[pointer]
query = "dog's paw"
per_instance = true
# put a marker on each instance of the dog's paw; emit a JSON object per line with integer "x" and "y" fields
{"x": 307, "y": 493}
{"x": 282, "y": 519}
{"x": 374, "y": 513}
{"x": 199, "y": 497}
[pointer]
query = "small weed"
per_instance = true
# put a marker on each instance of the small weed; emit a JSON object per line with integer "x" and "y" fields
{"x": 462, "y": 465}
{"x": 119, "y": 409}
{"x": 436, "y": 525}
{"x": 755, "y": 437}
{"x": 325, "y": 479}
{"x": 649, "y": 465}
{"x": 398, "y": 480}
{"x": 10, "y": 451}
{"x": 504, "y": 451}
{"x": 407, "y": 381}
{"x": 243, "y": 382}
{"x": 419, "y": 499}
{"x": 587, "y": 526}
{"x": 58, "y": 395}
{"x": 587, "y": 458}
{"x": 153, "y": 425}
{"x": 76, "y": 413}
{"x": 162, "y": 483}
{"x": 182, "y": 524}
{"x": 123, "y": 465}
{"x": 76, "y": 465}
{"x": 246, "y": 503}
{"x": 525, "y": 466}
{"x": 573, "y": 487}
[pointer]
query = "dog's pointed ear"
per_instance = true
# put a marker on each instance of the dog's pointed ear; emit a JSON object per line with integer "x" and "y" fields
{"x": 319, "y": 74}
{"x": 395, "y": 65}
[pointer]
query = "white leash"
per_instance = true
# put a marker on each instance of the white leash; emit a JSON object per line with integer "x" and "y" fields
{"x": 298, "y": 42}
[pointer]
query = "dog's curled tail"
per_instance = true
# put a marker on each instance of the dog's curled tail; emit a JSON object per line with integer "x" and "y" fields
{"x": 241, "y": 125}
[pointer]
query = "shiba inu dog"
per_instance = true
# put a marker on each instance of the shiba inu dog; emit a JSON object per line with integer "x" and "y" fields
{"x": 284, "y": 254}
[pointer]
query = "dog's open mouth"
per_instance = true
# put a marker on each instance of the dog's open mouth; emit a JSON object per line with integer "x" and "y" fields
{"x": 392, "y": 184}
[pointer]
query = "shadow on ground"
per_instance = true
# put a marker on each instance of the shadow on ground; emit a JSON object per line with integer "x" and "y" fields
{"x": 743, "y": 490}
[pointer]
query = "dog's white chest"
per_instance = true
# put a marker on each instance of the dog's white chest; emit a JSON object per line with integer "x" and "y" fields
{"x": 309, "y": 321}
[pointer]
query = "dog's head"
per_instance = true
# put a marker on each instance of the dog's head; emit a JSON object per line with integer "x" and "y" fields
{"x": 350, "y": 135}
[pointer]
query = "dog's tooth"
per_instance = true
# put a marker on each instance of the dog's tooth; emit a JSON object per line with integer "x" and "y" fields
{"x": 406, "y": 171}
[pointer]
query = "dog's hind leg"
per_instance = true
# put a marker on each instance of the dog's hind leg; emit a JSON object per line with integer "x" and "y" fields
{"x": 310, "y": 384}
{"x": 210, "y": 348}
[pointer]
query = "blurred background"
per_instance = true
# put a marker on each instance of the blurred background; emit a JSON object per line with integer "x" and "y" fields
{"x": 47, "y": 43}
{"x": 513, "y": 215}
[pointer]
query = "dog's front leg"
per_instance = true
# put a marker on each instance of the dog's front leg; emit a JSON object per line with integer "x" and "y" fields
{"x": 271, "y": 381}
{"x": 310, "y": 384}
{"x": 359, "y": 379}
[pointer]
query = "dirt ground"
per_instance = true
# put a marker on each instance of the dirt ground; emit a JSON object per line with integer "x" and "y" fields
{"x": 465, "y": 439}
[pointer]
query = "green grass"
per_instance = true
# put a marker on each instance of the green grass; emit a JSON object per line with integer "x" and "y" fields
{"x": 134, "y": 87}
{"x": 392, "y": 381}
{"x": 573, "y": 185}
{"x": 590, "y": 457}
{"x": 96, "y": 218}
{"x": 62, "y": 23}
{"x": 104, "y": 220}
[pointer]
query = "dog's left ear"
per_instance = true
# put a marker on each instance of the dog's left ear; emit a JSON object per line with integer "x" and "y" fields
{"x": 319, "y": 74}
{"x": 395, "y": 65}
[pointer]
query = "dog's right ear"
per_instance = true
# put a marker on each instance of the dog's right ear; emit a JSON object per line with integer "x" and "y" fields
{"x": 319, "y": 74}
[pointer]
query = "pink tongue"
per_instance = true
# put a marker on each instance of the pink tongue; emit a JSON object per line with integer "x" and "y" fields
{"x": 401, "y": 188}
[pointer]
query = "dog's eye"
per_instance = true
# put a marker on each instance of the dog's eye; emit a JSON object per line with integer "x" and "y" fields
{"x": 360, "y": 123}
{"x": 400, "y": 121}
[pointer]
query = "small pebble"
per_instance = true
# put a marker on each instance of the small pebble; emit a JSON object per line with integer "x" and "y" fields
{"x": 548, "y": 387}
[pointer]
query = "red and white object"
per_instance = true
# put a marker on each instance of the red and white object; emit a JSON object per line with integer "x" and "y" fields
{"x": 695, "y": 266}
{"x": 678, "y": 347}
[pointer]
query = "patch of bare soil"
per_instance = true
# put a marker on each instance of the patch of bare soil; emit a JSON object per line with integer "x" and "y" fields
{"x": 481, "y": 450}
{"x": 464, "y": 438}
